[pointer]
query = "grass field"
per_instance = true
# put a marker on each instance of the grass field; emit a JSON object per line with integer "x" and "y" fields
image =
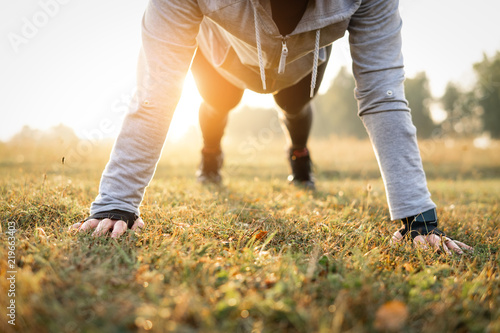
{"x": 255, "y": 255}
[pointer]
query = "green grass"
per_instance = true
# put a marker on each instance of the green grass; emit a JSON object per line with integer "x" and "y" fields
{"x": 255, "y": 255}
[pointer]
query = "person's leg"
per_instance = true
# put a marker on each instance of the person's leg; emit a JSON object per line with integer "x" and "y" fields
{"x": 297, "y": 116}
{"x": 219, "y": 98}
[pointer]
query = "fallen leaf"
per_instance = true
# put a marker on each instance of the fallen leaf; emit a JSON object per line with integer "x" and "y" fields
{"x": 261, "y": 234}
{"x": 391, "y": 316}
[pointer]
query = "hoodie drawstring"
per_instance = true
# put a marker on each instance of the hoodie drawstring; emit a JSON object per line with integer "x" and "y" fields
{"x": 315, "y": 64}
{"x": 259, "y": 49}
{"x": 282, "y": 61}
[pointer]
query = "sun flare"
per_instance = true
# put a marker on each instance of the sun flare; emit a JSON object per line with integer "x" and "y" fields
{"x": 186, "y": 113}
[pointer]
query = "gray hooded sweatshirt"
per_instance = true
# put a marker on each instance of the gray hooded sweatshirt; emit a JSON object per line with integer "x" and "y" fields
{"x": 244, "y": 45}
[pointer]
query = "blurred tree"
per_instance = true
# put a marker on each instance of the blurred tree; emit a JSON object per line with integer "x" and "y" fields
{"x": 488, "y": 92}
{"x": 336, "y": 111}
{"x": 251, "y": 122}
{"x": 450, "y": 98}
{"x": 27, "y": 141}
{"x": 419, "y": 97}
{"x": 34, "y": 144}
{"x": 463, "y": 114}
{"x": 26, "y": 136}
{"x": 59, "y": 135}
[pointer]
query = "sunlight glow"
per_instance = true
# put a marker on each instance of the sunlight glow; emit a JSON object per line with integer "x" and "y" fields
{"x": 254, "y": 99}
{"x": 186, "y": 114}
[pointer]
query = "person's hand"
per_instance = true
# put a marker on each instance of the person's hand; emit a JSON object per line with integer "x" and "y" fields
{"x": 116, "y": 228}
{"x": 436, "y": 242}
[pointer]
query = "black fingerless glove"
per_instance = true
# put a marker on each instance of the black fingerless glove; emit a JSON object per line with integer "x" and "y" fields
{"x": 115, "y": 214}
{"x": 420, "y": 225}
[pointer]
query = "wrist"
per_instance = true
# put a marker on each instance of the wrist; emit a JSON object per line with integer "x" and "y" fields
{"x": 423, "y": 224}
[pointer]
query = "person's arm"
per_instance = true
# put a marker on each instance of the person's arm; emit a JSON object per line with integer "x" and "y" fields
{"x": 169, "y": 31}
{"x": 375, "y": 42}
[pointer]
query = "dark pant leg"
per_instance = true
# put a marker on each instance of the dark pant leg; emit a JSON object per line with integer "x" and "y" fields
{"x": 295, "y": 103}
{"x": 219, "y": 97}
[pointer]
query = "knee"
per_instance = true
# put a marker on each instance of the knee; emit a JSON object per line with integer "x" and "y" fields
{"x": 296, "y": 111}
{"x": 293, "y": 105}
{"x": 225, "y": 103}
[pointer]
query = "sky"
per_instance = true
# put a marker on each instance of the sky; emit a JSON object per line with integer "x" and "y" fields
{"x": 78, "y": 66}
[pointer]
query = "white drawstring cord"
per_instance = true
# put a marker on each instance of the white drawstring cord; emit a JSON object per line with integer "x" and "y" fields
{"x": 259, "y": 49}
{"x": 315, "y": 64}
{"x": 261, "y": 60}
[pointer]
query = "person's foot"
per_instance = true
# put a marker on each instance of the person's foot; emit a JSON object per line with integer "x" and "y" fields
{"x": 209, "y": 170}
{"x": 301, "y": 164}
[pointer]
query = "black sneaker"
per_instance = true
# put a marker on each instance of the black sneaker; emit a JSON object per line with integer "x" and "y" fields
{"x": 301, "y": 164}
{"x": 209, "y": 170}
